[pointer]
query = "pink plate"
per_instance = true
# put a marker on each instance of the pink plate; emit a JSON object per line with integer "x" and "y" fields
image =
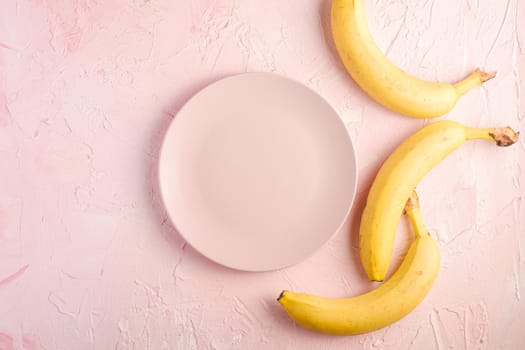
{"x": 257, "y": 172}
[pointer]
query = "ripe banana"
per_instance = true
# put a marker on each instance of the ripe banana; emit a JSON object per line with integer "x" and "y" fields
{"x": 383, "y": 81}
{"x": 382, "y": 306}
{"x": 400, "y": 174}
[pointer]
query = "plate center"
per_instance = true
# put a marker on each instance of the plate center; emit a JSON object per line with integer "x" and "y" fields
{"x": 267, "y": 182}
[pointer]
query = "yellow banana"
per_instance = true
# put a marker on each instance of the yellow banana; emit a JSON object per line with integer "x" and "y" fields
{"x": 400, "y": 174}
{"x": 382, "y": 306}
{"x": 383, "y": 81}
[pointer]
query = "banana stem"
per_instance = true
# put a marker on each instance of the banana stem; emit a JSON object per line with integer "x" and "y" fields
{"x": 475, "y": 78}
{"x": 502, "y": 136}
{"x": 414, "y": 214}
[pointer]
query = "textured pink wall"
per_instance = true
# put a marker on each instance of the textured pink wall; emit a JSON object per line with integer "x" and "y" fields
{"x": 88, "y": 259}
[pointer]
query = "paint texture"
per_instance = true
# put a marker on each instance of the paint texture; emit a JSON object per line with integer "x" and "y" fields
{"x": 88, "y": 257}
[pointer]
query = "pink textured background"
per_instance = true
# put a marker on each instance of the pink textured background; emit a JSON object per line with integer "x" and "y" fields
{"x": 88, "y": 258}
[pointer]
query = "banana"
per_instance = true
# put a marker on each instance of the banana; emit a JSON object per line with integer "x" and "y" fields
{"x": 400, "y": 174}
{"x": 382, "y": 306}
{"x": 380, "y": 78}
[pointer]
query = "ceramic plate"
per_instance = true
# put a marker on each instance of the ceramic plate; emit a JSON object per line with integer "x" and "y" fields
{"x": 257, "y": 172}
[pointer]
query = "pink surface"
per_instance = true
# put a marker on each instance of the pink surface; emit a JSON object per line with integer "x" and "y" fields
{"x": 257, "y": 172}
{"x": 88, "y": 258}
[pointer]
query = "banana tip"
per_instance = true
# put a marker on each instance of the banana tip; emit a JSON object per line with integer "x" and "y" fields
{"x": 412, "y": 202}
{"x": 504, "y": 136}
{"x": 281, "y": 296}
{"x": 484, "y": 76}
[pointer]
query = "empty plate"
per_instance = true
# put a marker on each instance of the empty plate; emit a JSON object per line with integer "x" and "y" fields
{"x": 257, "y": 172}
